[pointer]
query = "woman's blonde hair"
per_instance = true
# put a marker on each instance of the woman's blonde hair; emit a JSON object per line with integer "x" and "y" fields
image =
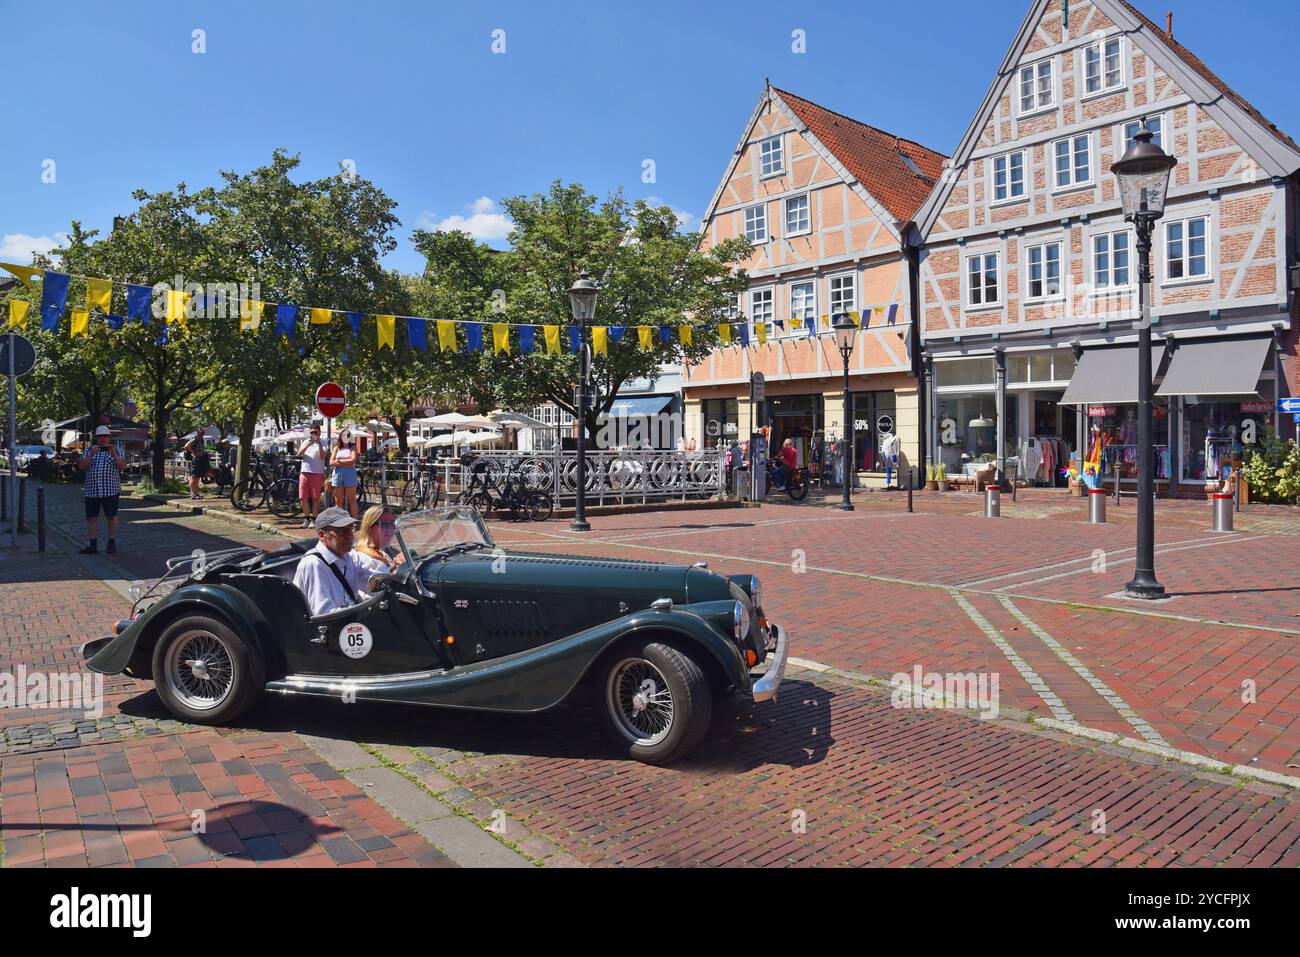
{"x": 364, "y": 540}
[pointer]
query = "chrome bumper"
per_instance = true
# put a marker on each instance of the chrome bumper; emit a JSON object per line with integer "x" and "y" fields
{"x": 766, "y": 686}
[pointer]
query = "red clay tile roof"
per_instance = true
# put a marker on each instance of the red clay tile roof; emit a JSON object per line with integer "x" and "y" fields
{"x": 878, "y": 160}
{"x": 1210, "y": 77}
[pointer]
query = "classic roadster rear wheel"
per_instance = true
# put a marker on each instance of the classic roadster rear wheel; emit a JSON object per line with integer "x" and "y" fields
{"x": 204, "y": 672}
{"x": 655, "y": 704}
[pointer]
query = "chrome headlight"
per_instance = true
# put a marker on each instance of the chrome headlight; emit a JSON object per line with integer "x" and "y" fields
{"x": 755, "y": 592}
{"x": 739, "y": 621}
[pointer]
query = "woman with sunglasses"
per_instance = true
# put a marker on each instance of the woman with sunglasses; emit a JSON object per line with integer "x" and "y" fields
{"x": 374, "y": 547}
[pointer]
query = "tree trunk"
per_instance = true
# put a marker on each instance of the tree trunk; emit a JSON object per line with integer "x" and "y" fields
{"x": 244, "y": 459}
{"x": 400, "y": 428}
{"x": 161, "y": 418}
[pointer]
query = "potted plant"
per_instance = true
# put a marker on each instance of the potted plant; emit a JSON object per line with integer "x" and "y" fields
{"x": 931, "y": 477}
{"x": 941, "y": 477}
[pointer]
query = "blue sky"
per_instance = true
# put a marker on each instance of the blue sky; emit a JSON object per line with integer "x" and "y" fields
{"x": 414, "y": 95}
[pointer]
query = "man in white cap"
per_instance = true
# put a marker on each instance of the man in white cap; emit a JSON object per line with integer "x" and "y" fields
{"x": 103, "y": 466}
{"x": 331, "y": 576}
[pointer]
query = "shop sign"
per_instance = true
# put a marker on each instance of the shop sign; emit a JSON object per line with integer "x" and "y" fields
{"x": 1102, "y": 411}
{"x": 885, "y": 424}
{"x": 861, "y": 425}
{"x": 1256, "y": 407}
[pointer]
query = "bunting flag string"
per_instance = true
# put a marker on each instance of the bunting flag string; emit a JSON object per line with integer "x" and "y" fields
{"x": 177, "y": 307}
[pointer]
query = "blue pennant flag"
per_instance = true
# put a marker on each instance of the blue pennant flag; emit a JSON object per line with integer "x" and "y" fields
{"x": 526, "y": 334}
{"x": 780, "y": 324}
{"x": 665, "y": 334}
{"x": 616, "y": 332}
{"x": 744, "y": 334}
{"x": 355, "y": 319}
{"x": 473, "y": 337}
{"x": 893, "y": 313}
{"x": 415, "y": 333}
{"x": 138, "y": 299}
{"x": 163, "y": 337}
{"x": 115, "y": 322}
{"x": 575, "y": 339}
{"x": 811, "y": 323}
{"x": 343, "y": 357}
{"x": 54, "y": 296}
{"x": 285, "y": 318}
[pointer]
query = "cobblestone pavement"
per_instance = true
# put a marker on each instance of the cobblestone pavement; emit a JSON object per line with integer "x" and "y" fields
{"x": 829, "y": 774}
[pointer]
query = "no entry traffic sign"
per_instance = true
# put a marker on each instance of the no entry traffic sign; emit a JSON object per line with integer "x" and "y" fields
{"x": 330, "y": 400}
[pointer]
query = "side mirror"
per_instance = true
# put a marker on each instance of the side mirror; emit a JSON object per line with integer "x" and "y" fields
{"x": 380, "y": 582}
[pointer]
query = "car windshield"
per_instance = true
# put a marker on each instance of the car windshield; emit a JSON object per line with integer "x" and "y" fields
{"x": 425, "y": 532}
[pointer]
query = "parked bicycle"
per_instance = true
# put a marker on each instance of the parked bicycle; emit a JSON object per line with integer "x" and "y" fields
{"x": 513, "y": 493}
{"x": 250, "y": 494}
{"x": 424, "y": 489}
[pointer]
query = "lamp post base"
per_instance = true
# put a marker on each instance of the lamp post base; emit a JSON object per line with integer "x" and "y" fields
{"x": 1147, "y": 588}
{"x": 844, "y": 507}
{"x": 579, "y": 526}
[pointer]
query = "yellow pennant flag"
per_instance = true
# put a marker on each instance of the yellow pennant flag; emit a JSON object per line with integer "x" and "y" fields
{"x": 25, "y": 274}
{"x": 684, "y": 335}
{"x": 552, "y": 334}
{"x": 385, "y": 325}
{"x": 500, "y": 337}
{"x": 99, "y": 295}
{"x": 826, "y": 321}
{"x": 446, "y": 335}
{"x": 250, "y": 315}
{"x": 760, "y": 329}
{"x": 646, "y": 335}
{"x": 18, "y": 313}
{"x": 321, "y": 317}
{"x": 600, "y": 340}
{"x": 856, "y": 317}
{"x": 724, "y": 333}
{"x": 879, "y": 310}
{"x": 80, "y": 323}
{"x": 176, "y": 301}
{"x": 796, "y": 322}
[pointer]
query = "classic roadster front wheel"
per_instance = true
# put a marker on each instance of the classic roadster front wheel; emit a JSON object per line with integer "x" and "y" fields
{"x": 655, "y": 703}
{"x": 204, "y": 672}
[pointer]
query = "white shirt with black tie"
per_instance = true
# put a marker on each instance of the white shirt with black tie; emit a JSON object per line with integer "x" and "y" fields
{"x": 322, "y": 588}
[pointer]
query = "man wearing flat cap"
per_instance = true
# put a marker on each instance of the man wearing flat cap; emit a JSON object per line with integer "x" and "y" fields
{"x": 331, "y": 576}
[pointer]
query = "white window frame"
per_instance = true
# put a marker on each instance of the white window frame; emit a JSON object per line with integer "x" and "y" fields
{"x": 744, "y": 213}
{"x": 770, "y": 293}
{"x": 1121, "y": 132}
{"x": 1103, "y": 89}
{"x": 1073, "y": 146}
{"x": 1034, "y": 71}
{"x": 807, "y": 205}
{"x": 802, "y": 330}
{"x": 1109, "y": 235}
{"x": 1042, "y": 247}
{"x": 831, "y": 291}
{"x": 967, "y": 288}
{"x": 1024, "y": 179}
{"x": 779, "y": 169}
{"x": 1184, "y": 280}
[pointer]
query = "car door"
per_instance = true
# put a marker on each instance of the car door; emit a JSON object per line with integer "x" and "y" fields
{"x": 382, "y": 635}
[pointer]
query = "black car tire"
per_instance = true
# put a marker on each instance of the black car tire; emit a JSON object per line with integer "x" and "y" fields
{"x": 221, "y": 647}
{"x": 691, "y": 700}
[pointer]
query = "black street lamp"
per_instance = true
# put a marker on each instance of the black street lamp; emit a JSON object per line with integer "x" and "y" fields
{"x": 1143, "y": 175}
{"x": 846, "y": 331}
{"x": 582, "y": 300}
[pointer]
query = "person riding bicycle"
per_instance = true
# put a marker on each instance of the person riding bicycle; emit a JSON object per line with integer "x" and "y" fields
{"x": 789, "y": 462}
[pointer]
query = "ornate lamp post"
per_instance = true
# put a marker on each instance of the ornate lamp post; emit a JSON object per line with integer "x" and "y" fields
{"x": 582, "y": 300}
{"x": 846, "y": 331}
{"x": 1143, "y": 173}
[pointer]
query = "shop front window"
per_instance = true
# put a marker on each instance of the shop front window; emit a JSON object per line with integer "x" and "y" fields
{"x": 874, "y": 417}
{"x": 798, "y": 418}
{"x": 1215, "y": 430}
{"x": 1115, "y": 428}
{"x": 967, "y": 430}
{"x": 721, "y": 422}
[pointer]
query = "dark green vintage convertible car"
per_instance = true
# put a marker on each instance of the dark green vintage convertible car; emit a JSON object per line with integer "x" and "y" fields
{"x": 461, "y": 624}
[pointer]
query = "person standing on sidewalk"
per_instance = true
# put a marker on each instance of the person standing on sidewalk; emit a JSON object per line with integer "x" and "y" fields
{"x": 311, "y": 475}
{"x": 103, "y": 465}
{"x": 200, "y": 462}
{"x": 344, "y": 478}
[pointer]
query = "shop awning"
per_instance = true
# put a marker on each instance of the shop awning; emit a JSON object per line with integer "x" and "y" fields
{"x": 641, "y": 405}
{"x": 1226, "y": 367}
{"x": 1108, "y": 376}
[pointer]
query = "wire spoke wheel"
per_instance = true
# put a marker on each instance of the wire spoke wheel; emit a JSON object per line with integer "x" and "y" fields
{"x": 641, "y": 701}
{"x": 200, "y": 670}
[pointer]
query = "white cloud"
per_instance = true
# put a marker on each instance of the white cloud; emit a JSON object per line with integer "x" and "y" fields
{"x": 20, "y": 248}
{"x": 485, "y": 222}
{"x": 684, "y": 219}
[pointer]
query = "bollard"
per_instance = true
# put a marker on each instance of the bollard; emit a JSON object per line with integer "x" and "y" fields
{"x": 22, "y": 505}
{"x": 1097, "y": 506}
{"x": 910, "y": 483}
{"x": 992, "y": 502}
{"x": 40, "y": 519}
{"x": 1222, "y": 504}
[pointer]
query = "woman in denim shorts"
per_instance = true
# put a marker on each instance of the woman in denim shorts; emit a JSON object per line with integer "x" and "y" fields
{"x": 344, "y": 478}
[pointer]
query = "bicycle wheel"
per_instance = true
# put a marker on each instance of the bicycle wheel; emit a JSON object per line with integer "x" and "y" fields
{"x": 540, "y": 506}
{"x": 249, "y": 495}
{"x": 412, "y": 496}
{"x": 283, "y": 498}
